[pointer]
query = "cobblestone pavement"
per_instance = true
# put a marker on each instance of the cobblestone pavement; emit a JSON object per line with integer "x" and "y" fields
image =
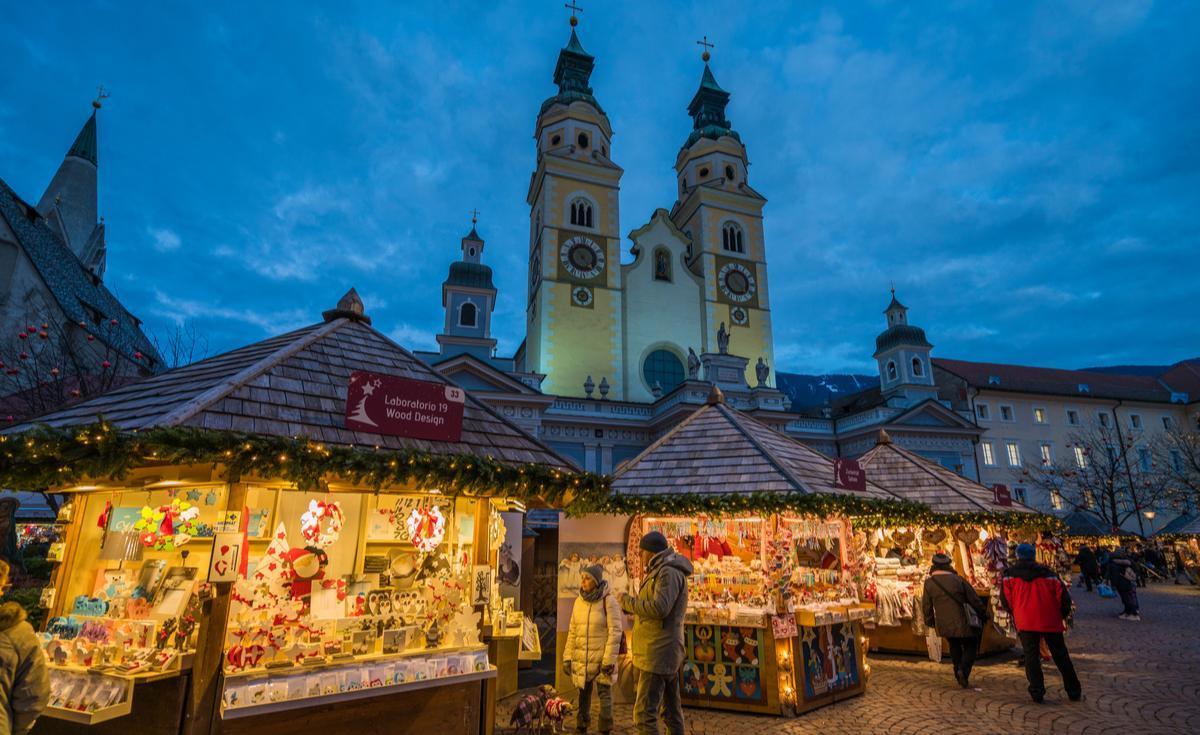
{"x": 1137, "y": 678}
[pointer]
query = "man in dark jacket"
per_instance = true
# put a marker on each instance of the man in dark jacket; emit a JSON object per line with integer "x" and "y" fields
{"x": 943, "y": 603}
{"x": 1039, "y": 602}
{"x": 658, "y": 610}
{"x": 1089, "y": 568}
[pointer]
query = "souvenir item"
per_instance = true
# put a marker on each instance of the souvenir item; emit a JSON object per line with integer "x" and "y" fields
{"x": 169, "y": 526}
{"x": 321, "y": 524}
{"x": 426, "y": 528}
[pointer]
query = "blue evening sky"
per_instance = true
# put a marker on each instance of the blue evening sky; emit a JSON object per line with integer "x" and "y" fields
{"x": 1027, "y": 173}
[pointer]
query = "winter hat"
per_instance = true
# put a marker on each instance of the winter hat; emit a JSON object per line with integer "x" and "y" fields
{"x": 1026, "y": 551}
{"x": 943, "y": 562}
{"x": 595, "y": 571}
{"x": 654, "y": 542}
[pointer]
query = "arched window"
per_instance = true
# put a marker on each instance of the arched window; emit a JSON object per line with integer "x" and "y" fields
{"x": 918, "y": 367}
{"x": 467, "y": 315}
{"x": 581, "y": 212}
{"x": 662, "y": 265}
{"x": 731, "y": 238}
{"x": 891, "y": 370}
{"x": 663, "y": 367}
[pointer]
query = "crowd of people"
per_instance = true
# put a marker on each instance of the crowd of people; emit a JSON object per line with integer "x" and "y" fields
{"x": 1120, "y": 572}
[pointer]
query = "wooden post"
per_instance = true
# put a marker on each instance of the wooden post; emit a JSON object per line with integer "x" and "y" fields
{"x": 62, "y": 572}
{"x": 200, "y": 715}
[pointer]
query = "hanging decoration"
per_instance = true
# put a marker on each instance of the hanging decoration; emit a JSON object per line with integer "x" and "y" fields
{"x": 426, "y": 528}
{"x": 321, "y": 524}
{"x": 168, "y": 527}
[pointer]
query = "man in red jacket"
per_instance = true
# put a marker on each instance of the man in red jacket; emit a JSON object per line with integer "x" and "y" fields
{"x": 1039, "y": 603}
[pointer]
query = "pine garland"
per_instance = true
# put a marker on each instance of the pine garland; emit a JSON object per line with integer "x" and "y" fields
{"x": 867, "y": 512}
{"x": 47, "y": 457}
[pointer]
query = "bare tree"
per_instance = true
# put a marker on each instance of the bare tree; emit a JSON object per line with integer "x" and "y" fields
{"x": 1105, "y": 475}
{"x": 181, "y": 346}
{"x": 1177, "y": 454}
{"x": 48, "y": 362}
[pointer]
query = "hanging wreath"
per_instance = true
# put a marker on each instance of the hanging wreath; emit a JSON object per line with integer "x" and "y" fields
{"x": 168, "y": 527}
{"x": 426, "y": 528}
{"x": 321, "y": 524}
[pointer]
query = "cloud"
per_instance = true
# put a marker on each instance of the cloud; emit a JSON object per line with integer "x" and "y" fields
{"x": 413, "y": 338}
{"x": 165, "y": 240}
{"x": 179, "y": 310}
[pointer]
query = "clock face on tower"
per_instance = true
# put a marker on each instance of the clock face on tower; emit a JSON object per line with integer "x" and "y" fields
{"x": 736, "y": 282}
{"x": 581, "y": 257}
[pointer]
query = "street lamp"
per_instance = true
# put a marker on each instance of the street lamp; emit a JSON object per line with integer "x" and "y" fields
{"x": 1150, "y": 517}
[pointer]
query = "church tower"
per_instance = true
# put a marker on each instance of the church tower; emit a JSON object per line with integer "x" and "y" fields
{"x": 573, "y": 324}
{"x": 722, "y": 215}
{"x": 902, "y": 351}
{"x": 468, "y": 296}
{"x": 70, "y": 203}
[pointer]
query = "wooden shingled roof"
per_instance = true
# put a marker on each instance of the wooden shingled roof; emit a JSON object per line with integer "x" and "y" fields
{"x": 295, "y": 385}
{"x": 718, "y": 450}
{"x": 914, "y": 477}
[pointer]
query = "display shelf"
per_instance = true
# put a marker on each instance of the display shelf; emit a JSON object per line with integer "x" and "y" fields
{"x": 91, "y": 718}
{"x": 366, "y": 659}
{"x": 185, "y": 664}
{"x": 250, "y": 710}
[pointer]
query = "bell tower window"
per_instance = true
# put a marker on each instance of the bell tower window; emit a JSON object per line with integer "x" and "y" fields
{"x": 468, "y": 315}
{"x": 581, "y": 212}
{"x": 583, "y": 140}
{"x": 731, "y": 238}
{"x": 891, "y": 370}
{"x": 918, "y": 367}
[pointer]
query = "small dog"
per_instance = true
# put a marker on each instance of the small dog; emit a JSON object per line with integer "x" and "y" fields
{"x": 556, "y": 710}
{"x": 531, "y": 710}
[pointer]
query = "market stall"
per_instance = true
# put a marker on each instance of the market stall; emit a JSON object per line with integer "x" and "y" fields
{"x": 774, "y": 621}
{"x": 972, "y": 524}
{"x": 1182, "y": 536}
{"x": 305, "y": 529}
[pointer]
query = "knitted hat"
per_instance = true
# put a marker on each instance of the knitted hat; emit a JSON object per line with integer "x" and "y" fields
{"x": 1026, "y": 551}
{"x": 595, "y": 571}
{"x": 943, "y": 562}
{"x": 653, "y": 542}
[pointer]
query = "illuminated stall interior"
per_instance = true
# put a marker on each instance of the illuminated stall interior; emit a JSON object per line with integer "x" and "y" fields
{"x": 966, "y": 521}
{"x": 234, "y": 557}
{"x": 774, "y": 616}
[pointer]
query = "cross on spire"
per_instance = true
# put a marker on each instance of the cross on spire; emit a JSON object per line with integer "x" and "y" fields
{"x": 574, "y": 9}
{"x": 101, "y": 95}
{"x": 474, "y": 216}
{"x": 704, "y": 42}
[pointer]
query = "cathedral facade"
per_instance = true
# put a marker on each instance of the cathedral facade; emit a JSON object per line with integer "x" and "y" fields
{"x": 616, "y": 354}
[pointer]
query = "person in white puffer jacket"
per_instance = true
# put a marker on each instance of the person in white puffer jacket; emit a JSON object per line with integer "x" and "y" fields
{"x": 593, "y": 641}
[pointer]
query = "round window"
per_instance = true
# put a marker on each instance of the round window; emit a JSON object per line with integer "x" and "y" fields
{"x": 704, "y": 173}
{"x": 663, "y": 367}
{"x": 583, "y": 140}
{"x": 555, "y": 139}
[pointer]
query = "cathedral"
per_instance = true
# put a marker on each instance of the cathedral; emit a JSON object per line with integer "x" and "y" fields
{"x": 616, "y": 354}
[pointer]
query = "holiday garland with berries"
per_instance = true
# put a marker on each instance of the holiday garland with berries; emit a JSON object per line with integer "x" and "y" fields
{"x": 45, "y": 457}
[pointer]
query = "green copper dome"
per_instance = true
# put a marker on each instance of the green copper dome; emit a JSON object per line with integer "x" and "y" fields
{"x": 707, "y": 109}
{"x": 571, "y": 74}
{"x": 901, "y": 334}
{"x": 471, "y": 275}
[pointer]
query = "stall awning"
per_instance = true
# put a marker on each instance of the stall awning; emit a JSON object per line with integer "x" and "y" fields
{"x": 914, "y": 477}
{"x": 718, "y": 450}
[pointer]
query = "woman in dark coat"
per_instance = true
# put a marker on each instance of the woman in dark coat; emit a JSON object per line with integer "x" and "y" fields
{"x": 942, "y": 603}
{"x": 1089, "y": 568}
